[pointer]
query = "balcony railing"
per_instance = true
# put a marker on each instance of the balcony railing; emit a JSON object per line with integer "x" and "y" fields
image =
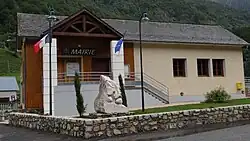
{"x": 64, "y": 78}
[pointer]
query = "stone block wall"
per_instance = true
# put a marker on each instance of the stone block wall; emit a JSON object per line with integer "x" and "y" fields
{"x": 109, "y": 127}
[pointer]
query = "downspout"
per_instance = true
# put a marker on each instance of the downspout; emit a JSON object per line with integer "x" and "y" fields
{"x": 24, "y": 75}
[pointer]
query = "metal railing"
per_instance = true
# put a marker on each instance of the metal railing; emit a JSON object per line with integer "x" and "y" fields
{"x": 7, "y": 107}
{"x": 247, "y": 81}
{"x": 152, "y": 85}
{"x": 64, "y": 78}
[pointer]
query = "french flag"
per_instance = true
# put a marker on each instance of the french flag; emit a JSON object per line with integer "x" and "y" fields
{"x": 41, "y": 43}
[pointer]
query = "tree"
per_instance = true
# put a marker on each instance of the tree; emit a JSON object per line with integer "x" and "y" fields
{"x": 122, "y": 89}
{"x": 244, "y": 33}
{"x": 79, "y": 99}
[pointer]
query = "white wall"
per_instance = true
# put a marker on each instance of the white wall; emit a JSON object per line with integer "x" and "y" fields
{"x": 157, "y": 62}
{"x": 7, "y": 94}
{"x": 46, "y": 78}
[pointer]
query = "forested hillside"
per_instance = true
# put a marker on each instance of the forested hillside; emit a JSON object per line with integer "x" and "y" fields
{"x": 237, "y": 4}
{"x": 182, "y": 11}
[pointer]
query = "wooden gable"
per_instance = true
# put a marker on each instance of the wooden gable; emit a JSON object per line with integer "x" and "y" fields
{"x": 84, "y": 23}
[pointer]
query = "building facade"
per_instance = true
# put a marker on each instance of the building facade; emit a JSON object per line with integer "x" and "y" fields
{"x": 181, "y": 61}
{"x": 8, "y": 89}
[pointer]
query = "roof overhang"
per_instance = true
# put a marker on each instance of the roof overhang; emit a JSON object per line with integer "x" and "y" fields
{"x": 87, "y": 12}
{"x": 189, "y": 43}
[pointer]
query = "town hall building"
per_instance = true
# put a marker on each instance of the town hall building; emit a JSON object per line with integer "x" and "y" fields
{"x": 181, "y": 62}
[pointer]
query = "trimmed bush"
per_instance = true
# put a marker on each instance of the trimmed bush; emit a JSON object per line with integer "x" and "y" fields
{"x": 79, "y": 98}
{"x": 218, "y": 95}
{"x": 122, "y": 89}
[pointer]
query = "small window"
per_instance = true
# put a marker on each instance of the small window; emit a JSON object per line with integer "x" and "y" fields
{"x": 4, "y": 100}
{"x": 218, "y": 67}
{"x": 203, "y": 67}
{"x": 179, "y": 67}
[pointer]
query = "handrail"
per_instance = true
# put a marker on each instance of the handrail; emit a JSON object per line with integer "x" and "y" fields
{"x": 157, "y": 83}
{"x": 160, "y": 89}
{"x": 154, "y": 80}
{"x": 147, "y": 78}
{"x": 247, "y": 80}
{"x": 8, "y": 106}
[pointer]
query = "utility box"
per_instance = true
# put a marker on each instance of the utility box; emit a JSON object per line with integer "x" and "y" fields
{"x": 239, "y": 86}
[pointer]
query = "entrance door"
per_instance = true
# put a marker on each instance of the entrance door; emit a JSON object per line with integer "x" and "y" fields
{"x": 72, "y": 65}
{"x": 100, "y": 66}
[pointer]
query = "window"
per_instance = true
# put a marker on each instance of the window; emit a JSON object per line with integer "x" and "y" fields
{"x": 203, "y": 67}
{"x": 4, "y": 100}
{"x": 218, "y": 67}
{"x": 179, "y": 67}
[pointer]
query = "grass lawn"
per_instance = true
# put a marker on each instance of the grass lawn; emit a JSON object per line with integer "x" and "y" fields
{"x": 194, "y": 106}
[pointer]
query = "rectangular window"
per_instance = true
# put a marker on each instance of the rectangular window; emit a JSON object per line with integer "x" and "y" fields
{"x": 179, "y": 67}
{"x": 203, "y": 67}
{"x": 218, "y": 67}
{"x": 4, "y": 100}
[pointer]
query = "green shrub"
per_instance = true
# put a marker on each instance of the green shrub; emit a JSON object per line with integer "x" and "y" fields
{"x": 122, "y": 89}
{"x": 79, "y": 98}
{"x": 217, "y": 95}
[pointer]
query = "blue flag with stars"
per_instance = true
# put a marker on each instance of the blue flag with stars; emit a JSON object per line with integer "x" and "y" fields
{"x": 118, "y": 45}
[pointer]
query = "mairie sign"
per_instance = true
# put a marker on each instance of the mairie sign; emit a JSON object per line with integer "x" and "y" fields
{"x": 79, "y": 51}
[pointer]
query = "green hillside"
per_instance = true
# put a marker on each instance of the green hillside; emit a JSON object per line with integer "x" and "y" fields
{"x": 9, "y": 64}
{"x": 182, "y": 11}
{"x": 237, "y": 4}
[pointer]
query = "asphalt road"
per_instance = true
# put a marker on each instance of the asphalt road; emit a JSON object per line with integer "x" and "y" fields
{"x": 8, "y": 133}
{"x": 240, "y": 133}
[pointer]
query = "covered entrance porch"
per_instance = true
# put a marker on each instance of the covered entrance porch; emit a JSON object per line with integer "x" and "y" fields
{"x": 83, "y": 45}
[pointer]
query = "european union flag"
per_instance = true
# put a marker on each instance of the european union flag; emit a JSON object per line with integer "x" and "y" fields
{"x": 118, "y": 45}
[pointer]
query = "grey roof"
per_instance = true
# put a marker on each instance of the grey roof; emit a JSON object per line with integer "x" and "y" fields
{"x": 35, "y": 24}
{"x": 8, "y": 84}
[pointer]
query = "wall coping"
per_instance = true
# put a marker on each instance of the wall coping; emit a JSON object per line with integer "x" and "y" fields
{"x": 138, "y": 115}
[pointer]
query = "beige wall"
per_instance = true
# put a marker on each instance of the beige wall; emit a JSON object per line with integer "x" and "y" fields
{"x": 157, "y": 61}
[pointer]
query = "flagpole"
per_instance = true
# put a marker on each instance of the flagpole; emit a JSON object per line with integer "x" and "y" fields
{"x": 50, "y": 73}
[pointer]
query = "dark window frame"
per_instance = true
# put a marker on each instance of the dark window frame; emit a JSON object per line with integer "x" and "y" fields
{"x": 203, "y": 67}
{"x": 179, "y": 67}
{"x": 218, "y": 67}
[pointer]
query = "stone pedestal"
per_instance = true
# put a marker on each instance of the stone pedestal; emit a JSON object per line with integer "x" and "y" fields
{"x": 109, "y": 99}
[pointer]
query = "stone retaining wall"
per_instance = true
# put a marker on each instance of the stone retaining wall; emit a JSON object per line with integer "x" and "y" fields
{"x": 108, "y": 127}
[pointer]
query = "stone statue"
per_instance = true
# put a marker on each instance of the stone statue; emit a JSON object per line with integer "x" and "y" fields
{"x": 109, "y": 99}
